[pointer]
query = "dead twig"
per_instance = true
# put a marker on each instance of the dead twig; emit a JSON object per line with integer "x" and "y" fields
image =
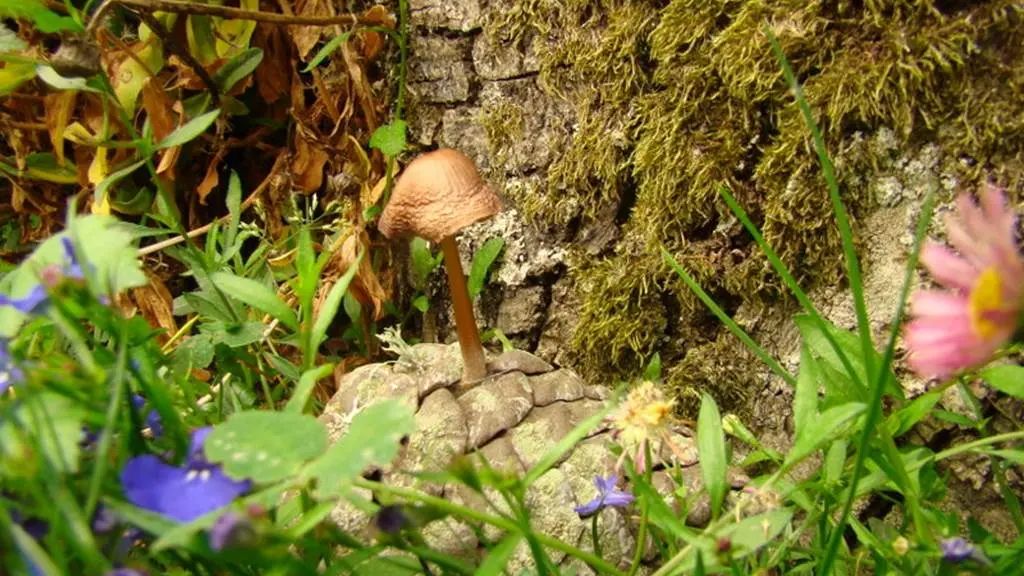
{"x": 183, "y": 7}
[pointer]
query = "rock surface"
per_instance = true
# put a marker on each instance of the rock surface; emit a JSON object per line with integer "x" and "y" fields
{"x": 512, "y": 420}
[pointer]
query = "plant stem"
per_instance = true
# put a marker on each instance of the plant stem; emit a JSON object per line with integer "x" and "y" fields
{"x": 598, "y": 564}
{"x": 474, "y": 365}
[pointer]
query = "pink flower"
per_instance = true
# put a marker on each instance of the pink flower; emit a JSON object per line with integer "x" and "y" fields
{"x": 963, "y": 326}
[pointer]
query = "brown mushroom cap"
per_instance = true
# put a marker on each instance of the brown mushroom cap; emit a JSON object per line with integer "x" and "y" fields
{"x": 438, "y": 194}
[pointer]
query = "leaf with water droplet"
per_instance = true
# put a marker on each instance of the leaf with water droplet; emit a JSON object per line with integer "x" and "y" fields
{"x": 265, "y": 446}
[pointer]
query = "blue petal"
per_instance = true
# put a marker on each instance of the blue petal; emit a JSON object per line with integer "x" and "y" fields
{"x": 155, "y": 424}
{"x": 195, "y": 450}
{"x": 616, "y": 498}
{"x": 202, "y": 491}
{"x": 145, "y": 479}
{"x": 589, "y": 508}
{"x": 73, "y": 269}
{"x": 31, "y": 303}
{"x": 604, "y": 485}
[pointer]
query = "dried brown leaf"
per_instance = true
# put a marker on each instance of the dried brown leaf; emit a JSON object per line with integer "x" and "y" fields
{"x": 306, "y": 37}
{"x": 373, "y": 42}
{"x": 212, "y": 178}
{"x": 308, "y": 164}
{"x": 58, "y": 112}
{"x": 154, "y": 301}
{"x": 160, "y": 109}
{"x": 274, "y": 72}
{"x": 365, "y": 287}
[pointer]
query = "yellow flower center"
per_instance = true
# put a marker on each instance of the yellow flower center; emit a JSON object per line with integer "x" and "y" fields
{"x": 985, "y": 297}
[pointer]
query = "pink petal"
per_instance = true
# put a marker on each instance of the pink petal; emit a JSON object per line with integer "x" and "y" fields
{"x": 975, "y": 251}
{"x": 947, "y": 267}
{"x": 997, "y": 213}
{"x": 972, "y": 217}
{"x": 939, "y": 304}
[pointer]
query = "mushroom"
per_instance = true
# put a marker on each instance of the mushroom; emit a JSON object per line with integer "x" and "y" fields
{"x": 438, "y": 194}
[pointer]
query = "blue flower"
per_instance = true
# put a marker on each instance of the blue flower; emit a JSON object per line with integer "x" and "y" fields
{"x": 125, "y": 572}
{"x": 38, "y": 297}
{"x": 9, "y": 373}
{"x": 957, "y": 550}
{"x": 607, "y": 495}
{"x": 182, "y": 493}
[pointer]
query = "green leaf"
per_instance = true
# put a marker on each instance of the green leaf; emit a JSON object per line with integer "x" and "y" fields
{"x": 326, "y": 50}
{"x": 1014, "y": 456}
{"x": 14, "y": 75}
{"x": 373, "y": 438}
{"x": 329, "y": 308}
{"x": 1008, "y": 379}
{"x": 711, "y": 447}
{"x": 9, "y": 41}
{"x": 653, "y": 370}
{"x": 45, "y": 20}
{"x": 498, "y": 556}
{"x": 189, "y": 131}
{"x": 45, "y": 425}
{"x": 237, "y": 68}
{"x": 50, "y": 76}
{"x": 421, "y": 303}
{"x": 850, "y": 343}
{"x": 44, "y": 166}
{"x": 423, "y": 261}
{"x": 300, "y": 396}
{"x": 234, "y": 203}
{"x": 389, "y": 138}
{"x": 113, "y": 178}
{"x": 901, "y": 421}
{"x": 256, "y": 295}
{"x": 482, "y": 262}
{"x": 834, "y": 461}
{"x": 805, "y": 397}
{"x": 750, "y": 534}
{"x": 109, "y": 250}
{"x": 233, "y": 335}
{"x": 823, "y": 428}
{"x": 195, "y": 352}
{"x": 266, "y": 446}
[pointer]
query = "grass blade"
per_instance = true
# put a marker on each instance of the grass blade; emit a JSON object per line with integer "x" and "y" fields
{"x": 727, "y": 321}
{"x": 711, "y": 447}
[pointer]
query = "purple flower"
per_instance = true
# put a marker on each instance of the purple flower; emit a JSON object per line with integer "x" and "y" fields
{"x": 182, "y": 493}
{"x": 125, "y": 572}
{"x": 104, "y": 520}
{"x": 9, "y": 373}
{"x": 607, "y": 495}
{"x": 38, "y": 298}
{"x": 231, "y": 530}
{"x": 957, "y": 550}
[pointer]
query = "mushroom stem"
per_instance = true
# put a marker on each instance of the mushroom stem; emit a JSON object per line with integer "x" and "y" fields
{"x": 474, "y": 365}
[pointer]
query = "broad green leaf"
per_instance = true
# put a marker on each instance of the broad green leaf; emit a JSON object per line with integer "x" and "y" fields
{"x": 237, "y": 68}
{"x": 189, "y": 131}
{"x": 482, "y": 262}
{"x": 329, "y": 308}
{"x": 497, "y": 557}
{"x": 389, "y": 138}
{"x": 750, "y": 534}
{"x": 45, "y": 20}
{"x": 901, "y": 421}
{"x": 805, "y": 397}
{"x": 194, "y": 352}
{"x": 9, "y": 41}
{"x": 373, "y": 437}
{"x": 850, "y": 343}
{"x": 45, "y": 425}
{"x": 423, "y": 261}
{"x": 1008, "y": 379}
{"x": 109, "y": 250}
{"x": 234, "y": 335}
{"x": 326, "y": 50}
{"x": 14, "y": 75}
{"x": 200, "y": 37}
{"x": 711, "y": 447}
{"x": 266, "y": 446}
{"x": 44, "y": 166}
{"x": 823, "y": 429}
{"x": 302, "y": 393}
{"x": 256, "y": 295}
{"x": 1014, "y": 456}
{"x": 834, "y": 461}
{"x": 50, "y": 76}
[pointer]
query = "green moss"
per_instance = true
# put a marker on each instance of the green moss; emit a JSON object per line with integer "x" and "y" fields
{"x": 674, "y": 101}
{"x": 504, "y": 123}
